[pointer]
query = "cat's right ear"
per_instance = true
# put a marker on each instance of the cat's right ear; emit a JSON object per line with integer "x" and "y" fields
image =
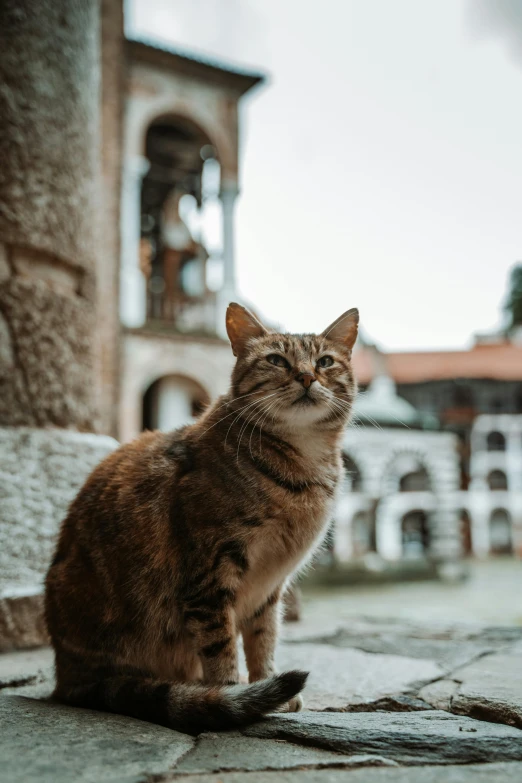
{"x": 241, "y": 327}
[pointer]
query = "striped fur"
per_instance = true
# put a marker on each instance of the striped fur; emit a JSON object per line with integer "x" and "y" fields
{"x": 180, "y": 542}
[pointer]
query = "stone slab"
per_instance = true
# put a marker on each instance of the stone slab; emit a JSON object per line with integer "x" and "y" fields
{"x": 26, "y": 667}
{"x": 22, "y": 623}
{"x": 233, "y": 751}
{"x": 449, "y": 645}
{"x": 439, "y": 694}
{"x": 40, "y": 473}
{"x": 340, "y": 677}
{"x": 473, "y": 773}
{"x": 50, "y": 743}
{"x": 491, "y": 689}
{"x": 416, "y": 738}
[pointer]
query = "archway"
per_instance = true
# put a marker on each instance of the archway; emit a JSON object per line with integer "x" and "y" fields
{"x": 500, "y": 532}
{"x": 497, "y": 480}
{"x": 408, "y": 471}
{"x": 171, "y": 402}
{"x": 173, "y": 255}
{"x": 415, "y": 534}
{"x": 415, "y": 481}
{"x": 496, "y": 442}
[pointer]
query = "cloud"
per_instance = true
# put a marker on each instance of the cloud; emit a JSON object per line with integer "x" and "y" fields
{"x": 501, "y": 19}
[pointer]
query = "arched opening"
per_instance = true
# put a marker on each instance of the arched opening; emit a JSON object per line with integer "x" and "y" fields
{"x": 465, "y": 533}
{"x": 406, "y": 472}
{"x": 363, "y": 534}
{"x": 500, "y": 533}
{"x": 415, "y": 534}
{"x": 496, "y": 442}
{"x": 497, "y": 480}
{"x": 171, "y": 402}
{"x": 415, "y": 481}
{"x": 353, "y": 477}
{"x": 174, "y": 255}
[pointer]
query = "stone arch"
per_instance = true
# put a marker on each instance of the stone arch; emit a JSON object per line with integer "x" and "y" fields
{"x": 396, "y": 467}
{"x": 415, "y": 533}
{"x": 500, "y": 532}
{"x": 147, "y": 360}
{"x": 401, "y": 462}
{"x": 415, "y": 481}
{"x": 171, "y": 401}
{"x": 496, "y": 441}
{"x": 497, "y": 480}
{"x": 153, "y": 374}
{"x": 142, "y": 116}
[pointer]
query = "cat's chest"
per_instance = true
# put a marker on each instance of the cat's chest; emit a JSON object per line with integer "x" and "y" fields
{"x": 286, "y": 541}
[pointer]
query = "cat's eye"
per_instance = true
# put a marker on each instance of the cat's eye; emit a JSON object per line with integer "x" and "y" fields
{"x": 325, "y": 361}
{"x": 277, "y": 360}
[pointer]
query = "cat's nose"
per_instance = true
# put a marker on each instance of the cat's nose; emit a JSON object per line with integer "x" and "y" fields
{"x": 306, "y": 378}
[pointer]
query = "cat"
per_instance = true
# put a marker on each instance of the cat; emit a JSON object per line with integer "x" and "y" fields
{"x": 178, "y": 542}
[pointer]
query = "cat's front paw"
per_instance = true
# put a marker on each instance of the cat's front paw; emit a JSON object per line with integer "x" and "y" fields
{"x": 294, "y": 705}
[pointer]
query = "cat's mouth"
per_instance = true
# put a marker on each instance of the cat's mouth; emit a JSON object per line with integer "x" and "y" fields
{"x": 304, "y": 399}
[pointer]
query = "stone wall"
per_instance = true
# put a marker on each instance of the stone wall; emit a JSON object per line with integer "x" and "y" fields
{"x": 49, "y": 151}
{"x": 148, "y": 356}
{"x": 49, "y": 259}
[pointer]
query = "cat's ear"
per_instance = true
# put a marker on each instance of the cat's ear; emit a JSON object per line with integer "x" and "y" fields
{"x": 241, "y": 327}
{"x": 344, "y": 329}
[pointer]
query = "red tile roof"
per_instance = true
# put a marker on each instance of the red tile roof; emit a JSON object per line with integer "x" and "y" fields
{"x": 497, "y": 361}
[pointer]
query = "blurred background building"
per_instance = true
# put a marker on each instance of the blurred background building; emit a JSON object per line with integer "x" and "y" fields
{"x": 180, "y": 162}
{"x": 120, "y": 177}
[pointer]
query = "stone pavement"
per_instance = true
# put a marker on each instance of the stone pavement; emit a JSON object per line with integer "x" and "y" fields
{"x": 384, "y": 698}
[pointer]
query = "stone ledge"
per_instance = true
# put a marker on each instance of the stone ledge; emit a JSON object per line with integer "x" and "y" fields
{"x": 22, "y": 623}
{"x": 41, "y": 471}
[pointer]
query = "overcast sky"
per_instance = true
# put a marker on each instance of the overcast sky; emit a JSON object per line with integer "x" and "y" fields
{"x": 382, "y": 164}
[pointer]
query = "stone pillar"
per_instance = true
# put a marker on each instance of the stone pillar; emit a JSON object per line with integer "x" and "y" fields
{"x": 107, "y": 357}
{"x": 228, "y": 195}
{"x": 388, "y": 530}
{"x": 49, "y": 153}
{"x": 133, "y": 284}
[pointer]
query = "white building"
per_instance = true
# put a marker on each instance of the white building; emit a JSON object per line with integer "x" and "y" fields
{"x": 400, "y": 494}
{"x": 180, "y": 182}
{"x": 493, "y": 502}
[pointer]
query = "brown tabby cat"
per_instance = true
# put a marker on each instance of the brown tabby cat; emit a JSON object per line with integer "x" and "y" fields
{"x": 180, "y": 542}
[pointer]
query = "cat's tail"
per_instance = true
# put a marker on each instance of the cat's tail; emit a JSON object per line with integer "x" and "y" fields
{"x": 185, "y": 707}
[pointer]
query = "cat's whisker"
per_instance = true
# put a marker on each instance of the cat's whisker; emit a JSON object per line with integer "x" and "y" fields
{"x": 235, "y": 399}
{"x": 254, "y": 425}
{"x": 272, "y": 407}
{"x": 263, "y": 413}
{"x": 250, "y": 405}
{"x": 223, "y": 419}
{"x": 243, "y": 429}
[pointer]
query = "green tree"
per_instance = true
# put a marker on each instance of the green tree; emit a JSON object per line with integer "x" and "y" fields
{"x": 513, "y": 304}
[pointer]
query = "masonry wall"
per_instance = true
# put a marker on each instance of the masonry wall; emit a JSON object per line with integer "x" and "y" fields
{"x": 49, "y": 126}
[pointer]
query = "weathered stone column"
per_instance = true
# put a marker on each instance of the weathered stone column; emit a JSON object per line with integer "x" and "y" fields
{"x": 49, "y": 153}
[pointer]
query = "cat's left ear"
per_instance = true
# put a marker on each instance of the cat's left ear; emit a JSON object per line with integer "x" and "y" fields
{"x": 241, "y": 327}
{"x": 344, "y": 329}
